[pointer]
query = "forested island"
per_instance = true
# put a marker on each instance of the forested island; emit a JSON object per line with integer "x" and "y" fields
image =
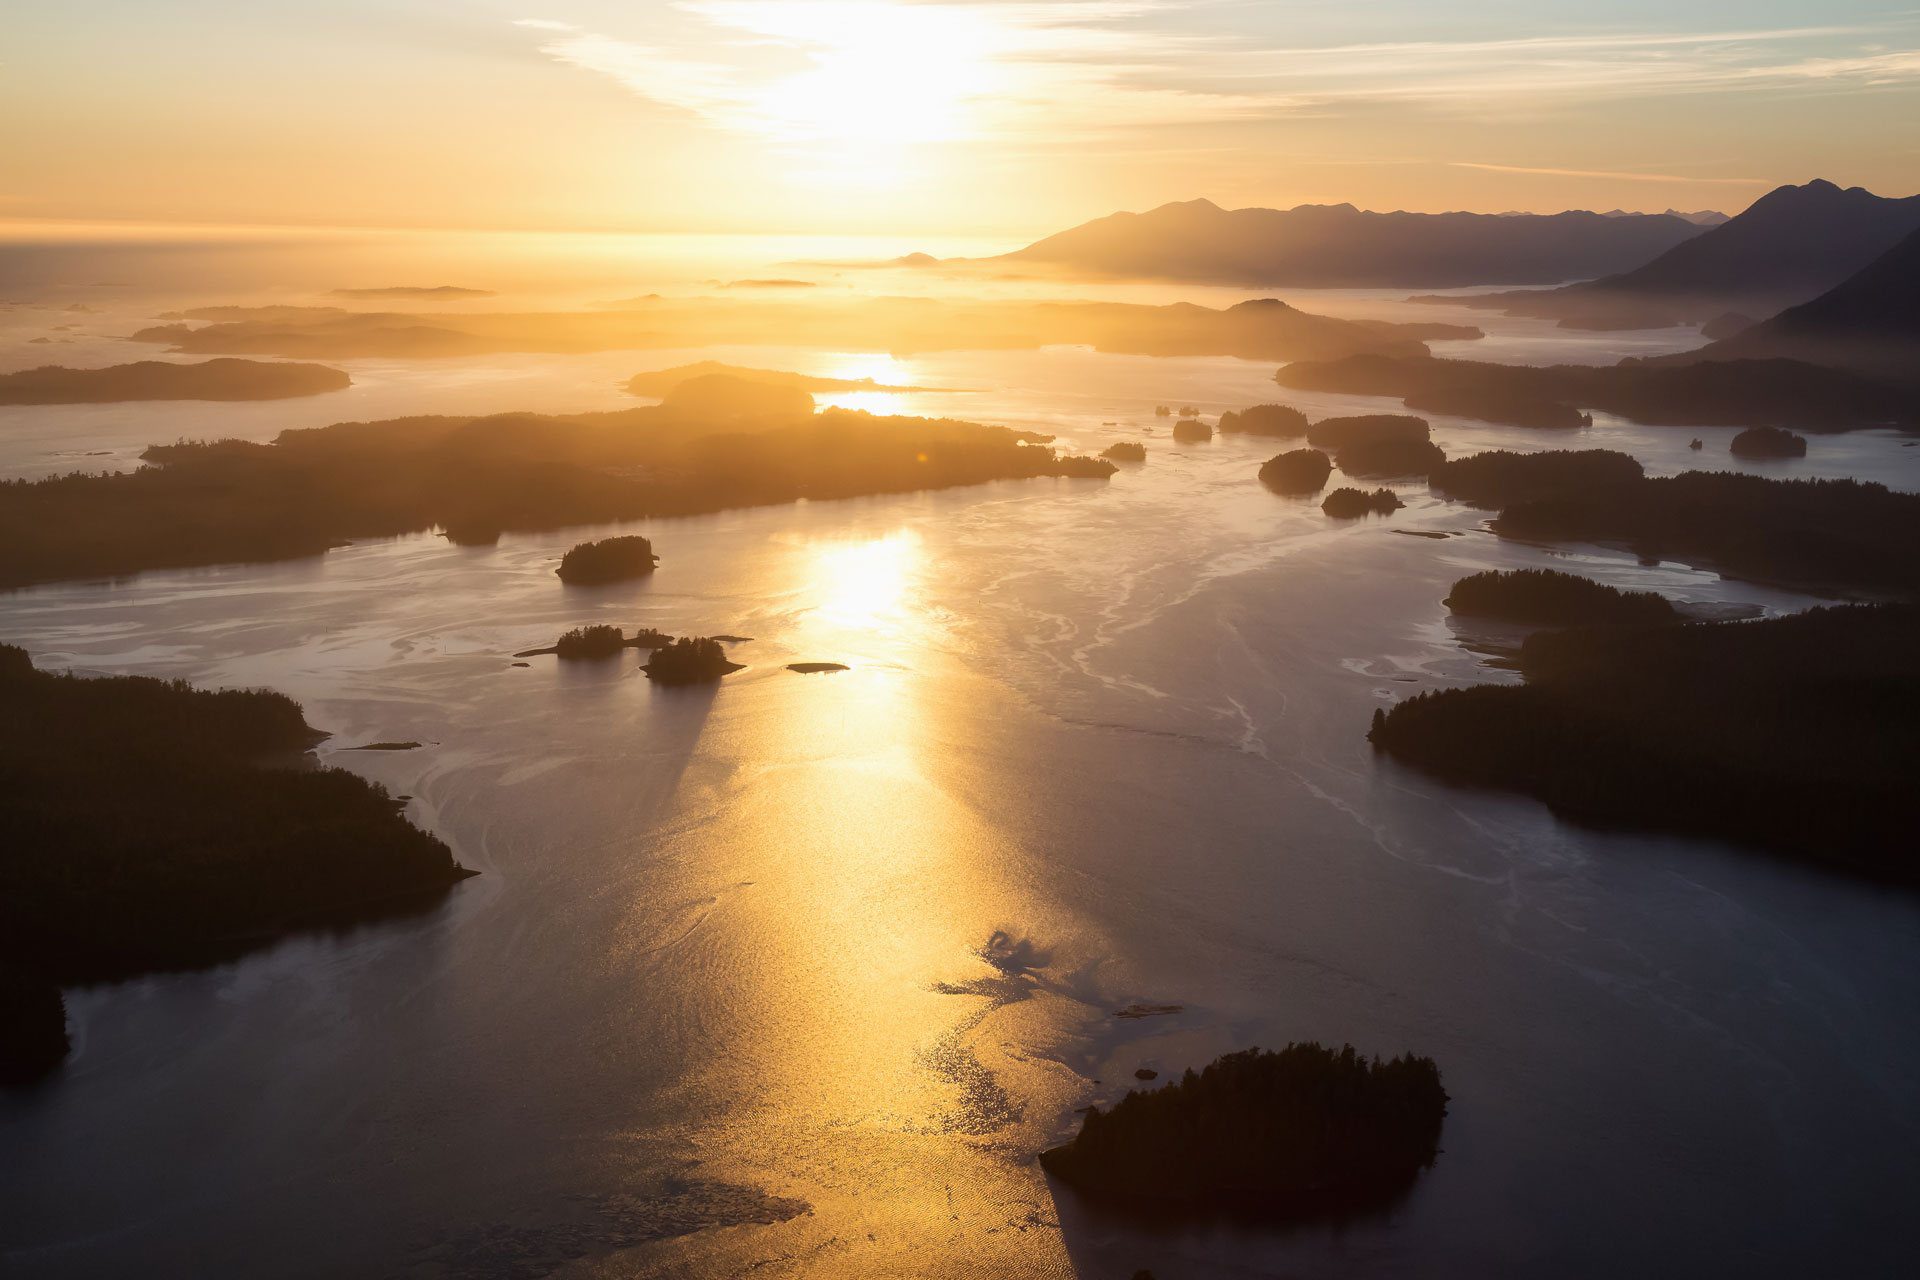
{"x": 599, "y": 641}
{"x": 161, "y": 380}
{"x": 1306, "y": 1131}
{"x": 1384, "y": 459}
{"x": 142, "y": 829}
{"x": 1125, "y": 451}
{"x": 1769, "y": 392}
{"x": 1277, "y": 420}
{"x": 1379, "y": 445}
{"x": 1549, "y": 598}
{"x": 690, "y": 660}
{"x": 1296, "y": 471}
{"x": 1795, "y": 734}
{"x": 233, "y": 501}
{"x": 1368, "y": 428}
{"x": 1351, "y": 504}
{"x": 1191, "y": 431}
{"x": 1768, "y": 442}
{"x": 609, "y": 560}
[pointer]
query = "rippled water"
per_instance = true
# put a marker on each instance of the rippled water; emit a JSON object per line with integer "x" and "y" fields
{"x": 796, "y": 974}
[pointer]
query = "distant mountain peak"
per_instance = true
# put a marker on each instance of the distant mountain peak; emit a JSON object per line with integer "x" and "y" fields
{"x": 1341, "y": 246}
{"x": 1199, "y": 204}
{"x": 1869, "y": 323}
{"x": 1790, "y": 246}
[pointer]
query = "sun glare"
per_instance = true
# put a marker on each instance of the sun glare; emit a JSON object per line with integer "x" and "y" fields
{"x": 864, "y": 584}
{"x": 881, "y": 368}
{"x": 880, "y": 79}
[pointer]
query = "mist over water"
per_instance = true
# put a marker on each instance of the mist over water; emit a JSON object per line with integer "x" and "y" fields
{"x": 795, "y": 974}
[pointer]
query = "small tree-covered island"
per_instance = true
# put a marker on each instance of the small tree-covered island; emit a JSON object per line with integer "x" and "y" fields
{"x": 690, "y": 660}
{"x": 610, "y": 560}
{"x": 1351, "y": 504}
{"x": 1768, "y": 442}
{"x": 599, "y": 641}
{"x": 1296, "y": 471}
{"x": 1379, "y": 445}
{"x": 1302, "y": 1132}
{"x": 145, "y": 826}
{"x": 1276, "y": 420}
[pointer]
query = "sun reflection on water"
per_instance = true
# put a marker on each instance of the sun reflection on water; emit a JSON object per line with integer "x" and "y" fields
{"x": 864, "y": 584}
{"x": 881, "y": 368}
{"x": 868, "y": 1069}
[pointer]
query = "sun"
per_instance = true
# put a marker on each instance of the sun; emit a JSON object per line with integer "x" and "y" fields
{"x": 878, "y": 77}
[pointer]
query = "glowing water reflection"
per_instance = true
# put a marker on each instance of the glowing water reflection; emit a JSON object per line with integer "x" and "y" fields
{"x": 867, "y": 1066}
{"x": 864, "y": 584}
{"x": 886, "y": 370}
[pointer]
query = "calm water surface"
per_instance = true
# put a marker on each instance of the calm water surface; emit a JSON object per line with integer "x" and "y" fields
{"x": 793, "y": 976}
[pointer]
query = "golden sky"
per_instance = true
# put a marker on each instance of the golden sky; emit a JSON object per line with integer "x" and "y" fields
{"x": 955, "y": 117}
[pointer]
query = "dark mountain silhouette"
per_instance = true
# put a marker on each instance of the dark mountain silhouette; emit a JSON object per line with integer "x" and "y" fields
{"x": 1341, "y": 246}
{"x": 1870, "y": 323}
{"x": 1790, "y": 246}
{"x": 1699, "y": 217}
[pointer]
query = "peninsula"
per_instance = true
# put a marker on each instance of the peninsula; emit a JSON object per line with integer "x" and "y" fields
{"x": 225, "y": 379}
{"x": 232, "y": 501}
{"x": 138, "y": 832}
{"x": 1793, "y": 734}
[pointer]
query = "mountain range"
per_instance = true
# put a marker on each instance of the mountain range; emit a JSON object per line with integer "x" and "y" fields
{"x": 1339, "y": 246}
{"x": 1869, "y": 323}
{"x": 1789, "y": 247}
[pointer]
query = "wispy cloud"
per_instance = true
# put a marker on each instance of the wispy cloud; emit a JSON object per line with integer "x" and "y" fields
{"x": 818, "y": 70}
{"x": 803, "y": 71}
{"x": 1580, "y": 67}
